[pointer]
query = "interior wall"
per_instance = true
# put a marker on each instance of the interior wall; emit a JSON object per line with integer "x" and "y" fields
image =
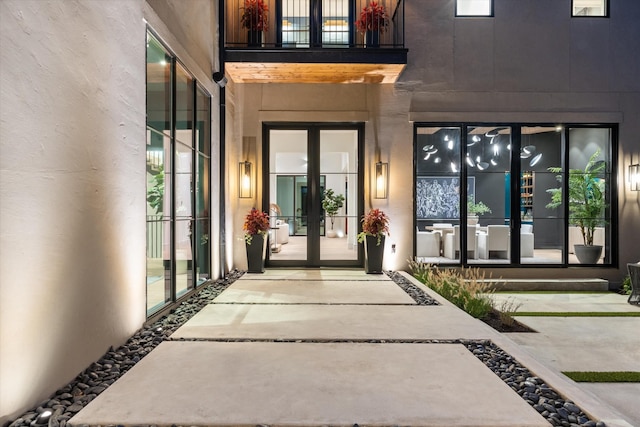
{"x": 72, "y": 182}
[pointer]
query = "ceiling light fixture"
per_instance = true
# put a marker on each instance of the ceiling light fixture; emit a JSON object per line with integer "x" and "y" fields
{"x": 536, "y": 159}
{"x": 470, "y": 161}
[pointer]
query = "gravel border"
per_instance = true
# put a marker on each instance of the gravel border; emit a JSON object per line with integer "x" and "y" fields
{"x": 418, "y": 295}
{"x": 67, "y": 401}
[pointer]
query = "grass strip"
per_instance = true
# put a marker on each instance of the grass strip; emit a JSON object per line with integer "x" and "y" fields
{"x": 554, "y": 292}
{"x": 604, "y": 377}
{"x": 577, "y": 313}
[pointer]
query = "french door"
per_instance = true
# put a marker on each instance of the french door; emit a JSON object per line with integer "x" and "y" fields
{"x": 301, "y": 163}
{"x": 314, "y": 23}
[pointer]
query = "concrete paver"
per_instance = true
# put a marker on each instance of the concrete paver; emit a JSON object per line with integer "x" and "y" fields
{"x": 209, "y": 382}
{"x": 302, "y": 384}
{"x": 624, "y": 396}
{"x": 569, "y": 302}
{"x": 586, "y": 343}
{"x": 220, "y": 321}
{"x": 315, "y": 292}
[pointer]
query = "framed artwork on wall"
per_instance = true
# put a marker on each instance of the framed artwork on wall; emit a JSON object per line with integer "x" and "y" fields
{"x": 438, "y": 197}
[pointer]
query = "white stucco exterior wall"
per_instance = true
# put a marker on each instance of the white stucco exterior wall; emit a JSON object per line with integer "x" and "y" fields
{"x": 72, "y": 178}
{"x": 72, "y": 189}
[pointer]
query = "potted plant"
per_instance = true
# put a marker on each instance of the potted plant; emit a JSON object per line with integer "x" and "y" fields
{"x": 255, "y": 18}
{"x": 372, "y": 22}
{"x": 331, "y": 204}
{"x": 375, "y": 225}
{"x": 256, "y": 226}
{"x": 474, "y": 210}
{"x": 586, "y": 204}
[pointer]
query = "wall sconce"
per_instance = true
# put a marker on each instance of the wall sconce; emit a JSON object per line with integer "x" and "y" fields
{"x": 634, "y": 177}
{"x": 245, "y": 187}
{"x": 382, "y": 180}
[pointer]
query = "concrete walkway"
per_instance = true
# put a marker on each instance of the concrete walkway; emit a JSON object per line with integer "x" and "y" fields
{"x": 585, "y": 343}
{"x": 290, "y": 348}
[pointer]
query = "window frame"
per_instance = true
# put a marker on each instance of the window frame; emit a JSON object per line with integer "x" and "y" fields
{"x": 490, "y": 15}
{"x": 172, "y": 297}
{"x": 610, "y": 249}
{"x": 604, "y": 15}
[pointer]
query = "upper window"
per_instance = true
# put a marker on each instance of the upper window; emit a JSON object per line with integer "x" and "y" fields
{"x": 474, "y": 7}
{"x": 590, "y": 8}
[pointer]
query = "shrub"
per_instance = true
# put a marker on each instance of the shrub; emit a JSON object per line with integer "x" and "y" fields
{"x": 625, "y": 289}
{"x": 507, "y": 309}
{"x": 466, "y": 288}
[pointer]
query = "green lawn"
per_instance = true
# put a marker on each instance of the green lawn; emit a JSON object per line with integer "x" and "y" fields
{"x": 578, "y": 314}
{"x": 604, "y": 377}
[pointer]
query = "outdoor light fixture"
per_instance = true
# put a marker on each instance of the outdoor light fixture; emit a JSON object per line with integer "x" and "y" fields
{"x": 634, "y": 177}
{"x": 245, "y": 186}
{"x": 220, "y": 79}
{"x": 42, "y": 419}
{"x": 382, "y": 180}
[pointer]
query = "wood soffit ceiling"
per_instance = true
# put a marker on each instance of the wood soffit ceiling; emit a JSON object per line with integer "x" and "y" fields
{"x": 252, "y": 72}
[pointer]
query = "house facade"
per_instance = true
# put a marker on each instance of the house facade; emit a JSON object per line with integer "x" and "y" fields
{"x": 137, "y": 134}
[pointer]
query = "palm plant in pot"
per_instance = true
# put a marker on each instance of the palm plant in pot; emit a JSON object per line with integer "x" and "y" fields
{"x": 372, "y": 22}
{"x": 375, "y": 226}
{"x": 256, "y": 227}
{"x": 331, "y": 203}
{"x": 586, "y": 199}
{"x": 255, "y": 18}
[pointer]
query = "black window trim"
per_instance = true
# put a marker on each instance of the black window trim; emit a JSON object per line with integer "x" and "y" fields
{"x": 612, "y": 238}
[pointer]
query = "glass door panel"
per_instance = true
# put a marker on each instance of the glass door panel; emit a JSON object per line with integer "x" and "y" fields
{"x": 295, "y": 23}
{"x": 288, "y": 193}
{"x": 184, "y": 219}
{"x": 158, "y": 219}
{"x": 437, "y": 194}
{"x": 487, "y": 158}
{"x": 339, "y": 167}
{"x": 541, "y": 227}
{"x": 590, "y": 188}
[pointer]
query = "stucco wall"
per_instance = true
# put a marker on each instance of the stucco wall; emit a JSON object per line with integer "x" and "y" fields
{"x": 72, "y": 180}
{"x": 531, "y": 63}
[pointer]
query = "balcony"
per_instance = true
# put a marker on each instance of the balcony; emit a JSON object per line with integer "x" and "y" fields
{"x": 314, "y": 41}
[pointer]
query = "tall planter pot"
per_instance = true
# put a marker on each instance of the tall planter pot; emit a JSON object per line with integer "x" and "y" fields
{"x": 372, "y": 38}
{"x": 373, "y": 254}
{"x": 588, "y": 254}
{"x": 254, "y": 38}
{"x": 256, "y": 254}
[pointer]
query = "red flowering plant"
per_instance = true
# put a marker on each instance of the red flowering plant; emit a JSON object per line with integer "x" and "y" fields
{"x": 373, "y": 17}
{"x": 255, "y": 15}
{"x": 374, "y": 223}
{"x": 256, "y": 222}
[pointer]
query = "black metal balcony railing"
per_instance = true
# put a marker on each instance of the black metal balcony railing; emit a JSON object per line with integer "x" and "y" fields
{"x": 314, "y": 24}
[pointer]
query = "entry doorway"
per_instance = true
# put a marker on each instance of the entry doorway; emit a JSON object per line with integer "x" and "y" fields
{"x": 301, "y": 163}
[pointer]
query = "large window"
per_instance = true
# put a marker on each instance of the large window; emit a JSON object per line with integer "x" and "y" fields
{"x": 178, "y": 173}
{"x": 514, "y": 194}
{"x": 474, "y": 7}
{"x": 590, "y": 8}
